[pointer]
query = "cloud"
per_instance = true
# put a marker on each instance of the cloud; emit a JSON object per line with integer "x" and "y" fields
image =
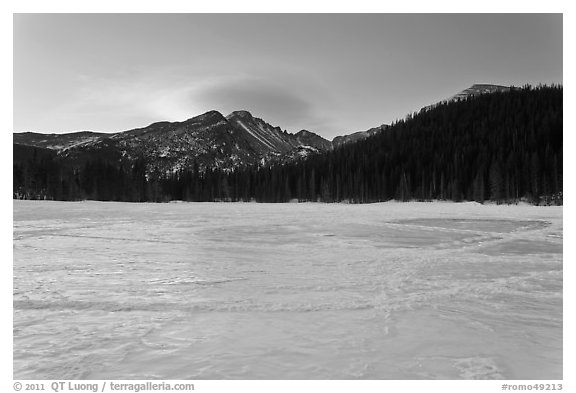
{"x": 272, "y": 101}
{"x": 147, "y": 96}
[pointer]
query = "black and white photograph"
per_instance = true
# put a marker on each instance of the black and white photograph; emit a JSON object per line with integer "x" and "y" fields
{"x": 287, "y": 196}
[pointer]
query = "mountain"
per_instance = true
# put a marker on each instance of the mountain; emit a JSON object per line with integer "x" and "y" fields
{"x": 506, "y": 147}
{"x": 208, "y": 141}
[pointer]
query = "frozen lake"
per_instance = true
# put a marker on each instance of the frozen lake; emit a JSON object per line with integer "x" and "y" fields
{"x": 287, "y": 291}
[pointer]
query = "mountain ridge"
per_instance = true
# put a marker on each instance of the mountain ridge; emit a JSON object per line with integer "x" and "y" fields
{"x": 209, "y": 141}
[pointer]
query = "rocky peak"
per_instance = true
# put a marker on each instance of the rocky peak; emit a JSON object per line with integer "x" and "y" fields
{"x": 304, "y": 133}
{"x": 210, "y": 117}
{"x": 241, "y": 114}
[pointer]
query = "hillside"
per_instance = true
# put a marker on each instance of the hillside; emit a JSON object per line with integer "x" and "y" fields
{"x": 504, "y": 146}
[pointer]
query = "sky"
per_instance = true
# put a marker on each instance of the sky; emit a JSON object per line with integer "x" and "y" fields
{"x": 332, "y": 74}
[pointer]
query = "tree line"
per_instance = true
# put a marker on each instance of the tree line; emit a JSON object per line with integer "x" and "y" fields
{"x": 504, "y": 147}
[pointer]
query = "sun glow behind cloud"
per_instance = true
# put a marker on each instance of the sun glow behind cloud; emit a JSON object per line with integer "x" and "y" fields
{"x": 169, "y": 94}
{"x": 138, "y": 98}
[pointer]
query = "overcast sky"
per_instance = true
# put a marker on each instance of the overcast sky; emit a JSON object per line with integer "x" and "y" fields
{"x": 331, "y": 74}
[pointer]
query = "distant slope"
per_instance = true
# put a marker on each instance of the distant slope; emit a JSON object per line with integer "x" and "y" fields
{"x": 357, "y": 136}
{"x": 56, "y": 141}
{"x": 472, "y": 91}
{"x": 478, "y": 89}
{"x": 307, "y": 138}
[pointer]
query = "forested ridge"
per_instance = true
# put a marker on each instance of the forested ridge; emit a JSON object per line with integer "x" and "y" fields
{"x": 503, "y": 146}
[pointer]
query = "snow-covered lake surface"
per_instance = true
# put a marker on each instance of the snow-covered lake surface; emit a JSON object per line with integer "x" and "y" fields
{"x": 287, "y": 291}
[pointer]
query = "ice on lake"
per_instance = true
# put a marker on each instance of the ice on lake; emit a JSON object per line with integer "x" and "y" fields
{"x": 286, "y": 291}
